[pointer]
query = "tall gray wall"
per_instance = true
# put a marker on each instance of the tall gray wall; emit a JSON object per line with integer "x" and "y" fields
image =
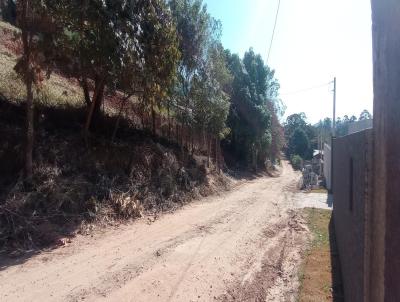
{"x": 351, "y": 193}
{"x": 385, "y": 205}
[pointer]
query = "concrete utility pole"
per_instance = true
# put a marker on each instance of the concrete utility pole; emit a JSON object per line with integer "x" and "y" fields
{"x": 334, "y": 109}
{"x": 333, "y": 131}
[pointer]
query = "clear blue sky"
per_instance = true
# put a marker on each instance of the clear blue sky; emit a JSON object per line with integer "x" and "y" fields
{"x": 315, "y": 40}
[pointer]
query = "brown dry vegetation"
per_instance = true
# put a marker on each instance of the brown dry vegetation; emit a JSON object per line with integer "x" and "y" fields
{"x": 321, "y": 274}
{"x": 76, "y": 184}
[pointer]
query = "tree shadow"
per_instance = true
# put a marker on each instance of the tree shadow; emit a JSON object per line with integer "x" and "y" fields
{"x": 337, "y": 285}
{"x": 6, "y": 260}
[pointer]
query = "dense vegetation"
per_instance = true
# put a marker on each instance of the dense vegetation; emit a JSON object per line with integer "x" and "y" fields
{"x": 303, "y": 138}
{"x": 164, "y": 55}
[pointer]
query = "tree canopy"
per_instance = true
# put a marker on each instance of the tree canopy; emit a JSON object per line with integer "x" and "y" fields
{"x": 169, "y": 56}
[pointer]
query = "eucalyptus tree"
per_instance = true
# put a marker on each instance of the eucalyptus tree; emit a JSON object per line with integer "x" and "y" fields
{"x": 159, "y": 43}
{"x": 36, "y": 31}
{"x": 192, "y": 24}
{"x": 365, "y": 115}
{"x": 210, "y": 96}
{"x": 253, "y": 87}
{"x": 98, "y": 41}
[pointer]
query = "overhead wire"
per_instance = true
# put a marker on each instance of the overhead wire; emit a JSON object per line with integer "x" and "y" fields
{"x": 273, "y": 31}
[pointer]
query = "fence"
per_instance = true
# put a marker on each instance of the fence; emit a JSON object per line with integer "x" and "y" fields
{"x": 351, "y": 193}
{"x": 167, "y": 127}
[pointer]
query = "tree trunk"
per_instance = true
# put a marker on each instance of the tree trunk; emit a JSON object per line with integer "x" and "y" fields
{"x": 141, "y": 105}
{"x": 181, "y": 135}
{"x": 169, "y": 119}
{"x": 192, "y": 140}
{"x": 85, "y": 89}
{"x": 177, "y": 133}
{"x": 29, "y": 134}
{"x": 91, "y": 111}
{"x": 208, "y": 150}
{"x": 98, "y": 103}
{"x": 119, "y": 117}
{"x": 216, "y": 154}
{"x": 28, "y": 76}
{"x": 153, "y": 118}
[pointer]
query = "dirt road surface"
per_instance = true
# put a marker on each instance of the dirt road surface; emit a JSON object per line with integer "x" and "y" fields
{"x": 243, "y": 245}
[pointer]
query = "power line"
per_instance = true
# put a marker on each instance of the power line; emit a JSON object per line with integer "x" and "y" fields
{"x": 273, "y": 32}
{"x": 306, "y": 89}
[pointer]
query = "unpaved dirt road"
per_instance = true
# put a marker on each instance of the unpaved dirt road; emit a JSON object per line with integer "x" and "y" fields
{"x": 244, "y": 245}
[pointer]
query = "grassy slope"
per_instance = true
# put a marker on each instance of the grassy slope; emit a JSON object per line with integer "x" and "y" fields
{"x": 320, "y": 275}
{"x": 55, "y": 91}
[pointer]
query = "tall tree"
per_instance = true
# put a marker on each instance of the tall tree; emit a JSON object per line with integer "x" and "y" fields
{"x": 209, "y": 93}
{"x": 250, "y": 117}
{"x": 192, "y": 24}
{"x": 277, "y": 132}
{"x": 293, "y": 122}
{"x": 99, "y": 39}
{"x": 160, "y": 52}
{"x": 35, "y": 31}
{"x": 365, "y": 115}
{"x": 299, "y": 143}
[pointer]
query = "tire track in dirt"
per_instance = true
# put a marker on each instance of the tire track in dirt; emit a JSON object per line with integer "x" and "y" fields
{"x": 241, "y": 245}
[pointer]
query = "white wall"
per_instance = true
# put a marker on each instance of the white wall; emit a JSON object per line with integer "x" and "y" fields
{"x": 327, "y": 165}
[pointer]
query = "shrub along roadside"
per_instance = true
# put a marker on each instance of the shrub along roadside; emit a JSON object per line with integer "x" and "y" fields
{"x": 297, "y": 162}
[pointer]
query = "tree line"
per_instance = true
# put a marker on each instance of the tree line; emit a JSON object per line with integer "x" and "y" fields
{"x": 303, "y": 138}
{"x": 167, "y": 54}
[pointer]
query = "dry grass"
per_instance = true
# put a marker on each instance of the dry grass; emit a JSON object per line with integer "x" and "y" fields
{"x": 320, "y": 190}
{"x": 319, "y": 274}
{"x": 76, "y": 183}
{"x": 56, "y": 91}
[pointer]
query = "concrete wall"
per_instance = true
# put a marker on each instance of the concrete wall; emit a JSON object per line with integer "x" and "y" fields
{"x": 385, "y": 206}
{"x": 351, "y": 193}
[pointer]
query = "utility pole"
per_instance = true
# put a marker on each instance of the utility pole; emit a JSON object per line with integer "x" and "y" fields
{"x": 334, "y": 109}
{"x": 333, "y": 131}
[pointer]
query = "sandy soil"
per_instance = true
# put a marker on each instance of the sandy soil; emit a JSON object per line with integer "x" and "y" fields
{"x": 244, "y": 245}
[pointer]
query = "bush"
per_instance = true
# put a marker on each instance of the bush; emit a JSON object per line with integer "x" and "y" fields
{"x": 297, "y": 162}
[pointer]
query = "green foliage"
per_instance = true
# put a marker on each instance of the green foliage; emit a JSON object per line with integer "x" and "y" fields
{"x": 251, "y": 113}
{"x": 193, "y": 25}
{"x": 97, "y": 39}
{"x": 299, "y": 143}
{"x": 301, "y": 137}
{"x": 98, "y": 43}
{"x": 365, "y": 115}
{"x": 159, "y": 44}
{"x": 211, "y": 102}
{"x": 293, "y": 122}
{"x": 165, "y": 52}
{"x": 297, "y": 162}
{"x": 277, "y": 132}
